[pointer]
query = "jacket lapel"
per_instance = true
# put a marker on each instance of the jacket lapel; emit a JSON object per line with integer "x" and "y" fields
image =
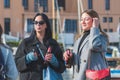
{"x": 83, "y": 43}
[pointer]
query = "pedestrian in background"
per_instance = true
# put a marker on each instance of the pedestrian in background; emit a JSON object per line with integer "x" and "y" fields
{"x": 28, "y": 58}
{"x": 90, "y": 47}
{"x": 8, "y": 70}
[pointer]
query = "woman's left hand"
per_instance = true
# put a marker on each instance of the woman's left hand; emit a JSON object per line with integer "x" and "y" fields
{"x": 96, "y": 22}
{"x": 48, "y": 57}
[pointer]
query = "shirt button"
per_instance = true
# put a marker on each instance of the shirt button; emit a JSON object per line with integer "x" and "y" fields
{"x": 84, "y": 60}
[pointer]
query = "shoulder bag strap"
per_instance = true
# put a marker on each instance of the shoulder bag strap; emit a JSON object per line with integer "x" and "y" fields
{"x": 41, "y": 53}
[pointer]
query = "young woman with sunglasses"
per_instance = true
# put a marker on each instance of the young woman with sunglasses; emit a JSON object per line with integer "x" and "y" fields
{"x": 28, "y": 58}
{"x": 89, "y": 49}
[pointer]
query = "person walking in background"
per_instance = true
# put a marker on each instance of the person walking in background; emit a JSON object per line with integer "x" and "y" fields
{"x": 8, "y": 70}
{"x": 90, "y": 47}
{"x": 28, "y": 57}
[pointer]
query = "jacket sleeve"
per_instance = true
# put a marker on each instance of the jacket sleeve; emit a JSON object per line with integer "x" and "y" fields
{"x": 57, "y": 51}
{"x": 11, "y": 70}
{"x": 20, "y": 57}
{"x": 97, "y": 41}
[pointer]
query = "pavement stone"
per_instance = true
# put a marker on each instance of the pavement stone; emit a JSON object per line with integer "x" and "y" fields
{"x": 68, "y": 73}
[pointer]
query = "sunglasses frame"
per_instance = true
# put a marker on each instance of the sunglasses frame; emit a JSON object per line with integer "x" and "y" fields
{"x": 39, "y": 22}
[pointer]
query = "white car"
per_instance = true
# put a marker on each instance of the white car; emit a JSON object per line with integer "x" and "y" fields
{"x": 112, "y": 51}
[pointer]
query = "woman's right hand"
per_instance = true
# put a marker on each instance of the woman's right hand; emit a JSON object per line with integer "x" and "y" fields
{"x": 67, "y": 55}
{"x": 31, "y": 56}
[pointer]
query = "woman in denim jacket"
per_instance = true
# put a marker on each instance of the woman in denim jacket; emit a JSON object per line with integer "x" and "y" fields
{"x": 29, "y": 60}
{"x": 10, "y": 69}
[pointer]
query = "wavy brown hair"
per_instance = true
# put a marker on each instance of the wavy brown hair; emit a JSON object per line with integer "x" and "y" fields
{"x": 94, "y": 14}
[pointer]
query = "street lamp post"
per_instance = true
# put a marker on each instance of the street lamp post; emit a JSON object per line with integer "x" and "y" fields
{"x": 80, "y": 8}
{"x": 53, "y": 15}
{"x": 118, "y": 30}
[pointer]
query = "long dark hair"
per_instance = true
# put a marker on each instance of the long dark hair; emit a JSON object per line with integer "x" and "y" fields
{"x": 48, "y": 31}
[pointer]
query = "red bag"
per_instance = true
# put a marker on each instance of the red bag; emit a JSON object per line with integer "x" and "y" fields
{"x": 97, "y": 74}
{"x": 103, "y": 74}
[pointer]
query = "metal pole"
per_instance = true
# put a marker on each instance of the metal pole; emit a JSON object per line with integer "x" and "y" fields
{"x": 79, "y": 28}
{"x": 58, "y": 18}
{"x": 81, "y": 5}
{"x": 53, "y": 15}
{"x": 80, "y": 8}
{"x": 118, "y": 30}
{"x": 119, "y": 42}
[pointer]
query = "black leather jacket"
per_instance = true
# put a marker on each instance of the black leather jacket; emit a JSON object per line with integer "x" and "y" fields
{"x": 33, "y": 70}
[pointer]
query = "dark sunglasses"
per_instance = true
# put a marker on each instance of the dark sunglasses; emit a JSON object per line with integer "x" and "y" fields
{"x": 39, "y": 22}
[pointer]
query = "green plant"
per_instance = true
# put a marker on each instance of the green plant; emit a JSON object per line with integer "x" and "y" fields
{"x": 12, "y": 44}
{"x": 61, "y": 46}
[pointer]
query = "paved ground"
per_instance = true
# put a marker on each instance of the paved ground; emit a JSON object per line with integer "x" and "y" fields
{"x": 67, "y": 75}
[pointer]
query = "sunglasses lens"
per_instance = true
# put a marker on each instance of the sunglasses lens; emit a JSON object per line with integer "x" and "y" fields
{"x": 39, "y": 22}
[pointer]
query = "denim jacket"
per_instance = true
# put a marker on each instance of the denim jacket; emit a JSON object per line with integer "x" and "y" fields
{"x": 10, "y": 66}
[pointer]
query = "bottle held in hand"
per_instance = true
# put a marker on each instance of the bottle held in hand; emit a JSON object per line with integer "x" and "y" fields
{"x": 48, "y": 52}
{"x": 68, "y": 63}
